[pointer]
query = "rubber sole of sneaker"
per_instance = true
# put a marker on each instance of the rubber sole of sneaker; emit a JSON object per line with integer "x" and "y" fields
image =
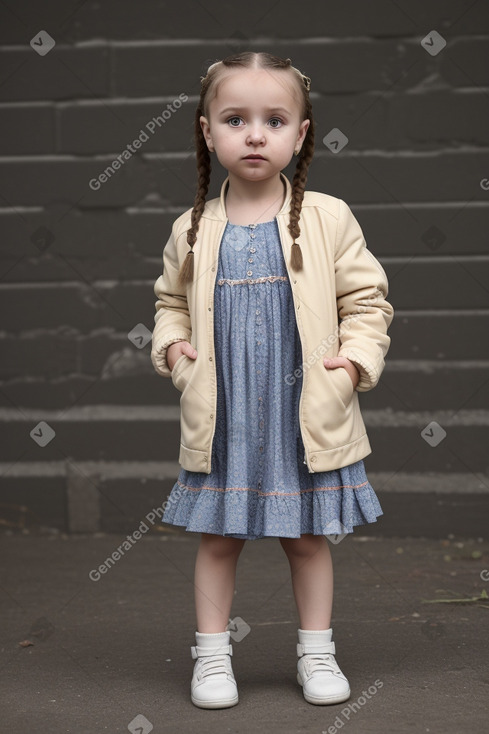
{"x": 324, "y": 700}
{"x": 223, "y": 704}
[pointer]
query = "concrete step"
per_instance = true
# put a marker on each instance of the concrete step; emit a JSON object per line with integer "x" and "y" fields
{"x": 400, "y": 440}
{"x": 116, "y": 497}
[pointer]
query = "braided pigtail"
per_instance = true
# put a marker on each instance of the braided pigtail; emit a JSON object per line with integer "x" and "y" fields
{"x": 298, "y": 186}
{"x": 186, "y": 274}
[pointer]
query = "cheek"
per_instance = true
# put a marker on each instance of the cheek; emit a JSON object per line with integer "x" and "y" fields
{"x": 230, "y": 144}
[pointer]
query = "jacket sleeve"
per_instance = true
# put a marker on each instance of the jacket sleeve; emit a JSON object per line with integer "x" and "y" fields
{"x": 172, "y": 318}
{"x": 361, "y": 290}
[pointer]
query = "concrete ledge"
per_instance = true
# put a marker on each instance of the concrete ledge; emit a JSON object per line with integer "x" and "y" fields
{"x": 114, "y": 497}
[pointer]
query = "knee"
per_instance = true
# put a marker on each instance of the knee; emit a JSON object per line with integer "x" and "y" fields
{"x": 220, "y": 546}
{"x": 302, "y": 548}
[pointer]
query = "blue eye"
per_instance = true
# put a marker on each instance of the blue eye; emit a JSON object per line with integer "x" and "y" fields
{"x": 235, "y": 117}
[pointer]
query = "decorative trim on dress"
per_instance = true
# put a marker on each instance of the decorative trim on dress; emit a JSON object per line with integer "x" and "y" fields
{"x": 264, "y": 279}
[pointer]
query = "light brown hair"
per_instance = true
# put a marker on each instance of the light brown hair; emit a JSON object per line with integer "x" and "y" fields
{"x": 209, "y": 84}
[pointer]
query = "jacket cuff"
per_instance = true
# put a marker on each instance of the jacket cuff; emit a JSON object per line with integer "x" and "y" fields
{"x": 159, "y": 350}
{"x": 369, "y": 375}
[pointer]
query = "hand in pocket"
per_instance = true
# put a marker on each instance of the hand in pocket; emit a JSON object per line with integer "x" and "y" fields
{"x": 176, "y": 350}
{"x": 335, "y": 362}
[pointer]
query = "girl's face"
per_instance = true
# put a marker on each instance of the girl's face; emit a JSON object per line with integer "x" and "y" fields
{"x": 256, "y": 111}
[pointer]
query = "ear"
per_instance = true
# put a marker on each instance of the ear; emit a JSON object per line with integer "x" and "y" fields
{"x": 302, "y": 132}
{"x": 204, "y": 124}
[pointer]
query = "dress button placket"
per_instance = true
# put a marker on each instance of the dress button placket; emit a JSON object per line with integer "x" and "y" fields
{"x": 259, "y": 338}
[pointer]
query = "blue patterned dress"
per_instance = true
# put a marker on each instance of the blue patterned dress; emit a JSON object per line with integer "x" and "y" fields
{"x": 259, "y": 483}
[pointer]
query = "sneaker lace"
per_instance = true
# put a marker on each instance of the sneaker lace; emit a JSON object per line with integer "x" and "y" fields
{"x": 324, "y": 663}
{"x": 214, "y": 664}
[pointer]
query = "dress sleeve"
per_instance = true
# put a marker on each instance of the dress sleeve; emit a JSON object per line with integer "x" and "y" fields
{"x": 172, "y": 318}
{"x": 361, "y": 291}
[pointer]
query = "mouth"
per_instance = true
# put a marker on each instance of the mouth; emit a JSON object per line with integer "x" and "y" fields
{"x": 254, "y": 157}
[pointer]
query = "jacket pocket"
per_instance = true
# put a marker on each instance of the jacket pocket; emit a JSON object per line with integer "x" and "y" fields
{"x": 182, "y": 369}
{"x": 342, "y": 383}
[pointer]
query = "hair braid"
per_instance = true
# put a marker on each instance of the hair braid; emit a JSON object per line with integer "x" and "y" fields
{"x": 298, "y": 186}
{"x": 210, "y": 83}
{"x": 204, "y": 168}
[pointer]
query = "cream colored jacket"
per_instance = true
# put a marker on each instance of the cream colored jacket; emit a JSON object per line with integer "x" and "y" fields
{"x": 340, "y": 307}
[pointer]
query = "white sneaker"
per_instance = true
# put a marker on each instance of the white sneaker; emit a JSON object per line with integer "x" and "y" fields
{"x": 317, "y": 670}
{"x": 213, "y": 684}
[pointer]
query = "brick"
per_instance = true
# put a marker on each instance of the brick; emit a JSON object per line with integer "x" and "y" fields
{"x": 425, "y": 177}
{"x": 421, "y": 121}
{"x": 27, "y": 129}
{"x": 438, "y": 335}
{"x": 99, "y": 351}
{"x": 51, "y": 267}
{"x": 465, "y": 63}
{"x": 421, "y": 384}
{"x": 434, "y": 284}
{"x": 436, "y": 118}
{"x": 67, "y": 183}
{"x": 86, "y": 128}
{"x": 47, "y": 356}
{"x": 86, "y": 234}
{"x": 408, "y": 222}
{"x": 64, "y": 73}
{"x": 102, "y": 434}
{"x": 403, "y": 447}
{"x": 62, "y": 393}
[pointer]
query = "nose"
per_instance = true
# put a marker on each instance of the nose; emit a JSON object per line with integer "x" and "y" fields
{"x": 256, "y": 135}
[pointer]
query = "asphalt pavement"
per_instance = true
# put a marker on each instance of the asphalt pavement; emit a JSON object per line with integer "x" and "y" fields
{"x": 91, "y": 644}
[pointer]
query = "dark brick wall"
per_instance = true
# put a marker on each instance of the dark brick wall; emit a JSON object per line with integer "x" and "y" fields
{"x": 78, "y": 265}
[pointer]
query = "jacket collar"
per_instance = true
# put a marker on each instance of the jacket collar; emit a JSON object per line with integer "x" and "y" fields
{"x": 216, "y": 209}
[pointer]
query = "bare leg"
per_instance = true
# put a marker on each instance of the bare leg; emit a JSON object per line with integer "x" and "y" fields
{"x": 311, "y": 569}
{"x": 215, "y": 574}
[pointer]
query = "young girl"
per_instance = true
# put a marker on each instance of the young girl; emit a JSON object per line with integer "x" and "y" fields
{"x": 269, "y": 340}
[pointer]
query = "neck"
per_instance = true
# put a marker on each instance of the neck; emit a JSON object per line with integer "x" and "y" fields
{"x": 255, "y": 200}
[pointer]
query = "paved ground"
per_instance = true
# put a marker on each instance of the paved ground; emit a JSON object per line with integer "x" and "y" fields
{"x": 108, "y": 651}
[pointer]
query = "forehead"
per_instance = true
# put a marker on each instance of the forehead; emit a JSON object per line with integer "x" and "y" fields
{"x": 256, "y": 88}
